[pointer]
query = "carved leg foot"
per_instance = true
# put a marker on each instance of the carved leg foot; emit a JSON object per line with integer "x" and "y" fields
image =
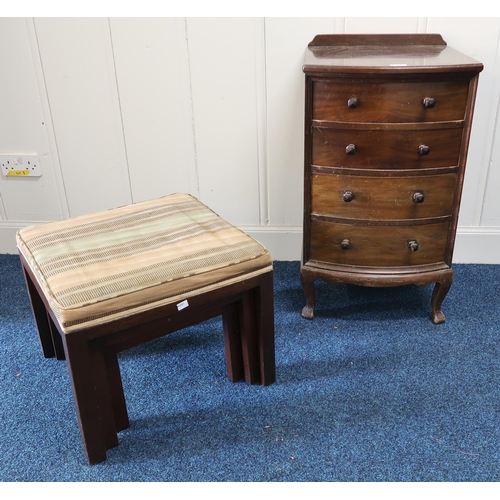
{"x": 439, "y": 293}
{"x": 309, "y": 291}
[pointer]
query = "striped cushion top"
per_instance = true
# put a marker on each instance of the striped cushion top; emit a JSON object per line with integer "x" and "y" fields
{"x": 100, "y": 267}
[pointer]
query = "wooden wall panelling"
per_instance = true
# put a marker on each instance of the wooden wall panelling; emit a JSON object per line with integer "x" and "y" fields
{"x": 222, "y": 56}
{"x": 134, "y": 108}
{"x": 462, "y": 34}
{"x": 490, "y": 213}
{"x": 154, "y": 87}
{"x": 286, "y": 39}
{"x": 364, "y": 25}
{"x": 78, "y": 66}
{"x": 23, "y": 130}
{"x": 478, "y": 236}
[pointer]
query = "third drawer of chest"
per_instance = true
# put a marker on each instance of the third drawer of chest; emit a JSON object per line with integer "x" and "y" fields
{"x": 386, "y": 148}
{"x": 367, "y": 197}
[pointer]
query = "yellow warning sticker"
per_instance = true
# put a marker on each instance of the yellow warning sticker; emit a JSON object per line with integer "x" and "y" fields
{"x": 13, "y": 173}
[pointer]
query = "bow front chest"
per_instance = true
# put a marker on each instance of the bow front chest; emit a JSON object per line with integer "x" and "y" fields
{"x": 387, "y": 127}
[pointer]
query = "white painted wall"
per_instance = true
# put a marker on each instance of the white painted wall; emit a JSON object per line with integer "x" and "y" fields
{"x": 120, "y": 110}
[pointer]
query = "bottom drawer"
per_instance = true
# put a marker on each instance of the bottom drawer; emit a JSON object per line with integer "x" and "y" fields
{"x": 378, "y": 245}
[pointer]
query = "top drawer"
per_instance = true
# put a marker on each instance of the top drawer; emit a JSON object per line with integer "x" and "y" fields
{"x": 389, "y": 102}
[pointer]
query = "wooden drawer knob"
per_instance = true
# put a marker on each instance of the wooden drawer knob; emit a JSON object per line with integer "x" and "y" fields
{"x": 418, "y": 197}
{"x": 352, "y": 102}
{"x": 350, "y": 149}
{"x": 345, "y": 244}
{"x": 348, "y": 196}
{"x": 429, "y": 102}
{"x": 413, "y": 245}
{"x": 424, "y": 150}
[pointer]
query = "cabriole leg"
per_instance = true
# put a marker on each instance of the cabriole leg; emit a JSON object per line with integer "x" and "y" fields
{"x": 441, "y": 288}
{"x": 310, "y": 293}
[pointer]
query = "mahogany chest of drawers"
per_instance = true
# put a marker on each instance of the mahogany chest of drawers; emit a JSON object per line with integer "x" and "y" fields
{"x": 387, "y": 126}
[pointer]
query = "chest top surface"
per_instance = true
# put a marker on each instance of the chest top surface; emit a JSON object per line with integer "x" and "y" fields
{"x": 385, "y": 54}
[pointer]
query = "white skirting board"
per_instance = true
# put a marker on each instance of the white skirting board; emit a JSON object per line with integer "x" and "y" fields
{"x": 474, "y": 245}
{"x": 8, "y": 237}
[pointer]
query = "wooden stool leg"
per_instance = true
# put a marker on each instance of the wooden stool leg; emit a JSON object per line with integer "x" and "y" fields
{"x": 104, "y": 394}
{"x": 249, "y": 337}
{"x": 56, "y": 339}
{"x": 116, "y": 391}
{"x": 232, "y": 342}
{"x": 266, "y": 330}
{"x": 40, "y": 316}
{"x": 87, "y": 375}
{"x": 257, "y": 332}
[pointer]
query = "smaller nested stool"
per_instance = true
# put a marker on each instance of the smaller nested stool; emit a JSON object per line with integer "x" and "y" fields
{"x": 109, "y": 281}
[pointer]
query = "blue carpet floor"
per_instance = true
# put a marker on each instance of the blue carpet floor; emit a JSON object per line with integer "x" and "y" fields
{"x": 370, "y": 390}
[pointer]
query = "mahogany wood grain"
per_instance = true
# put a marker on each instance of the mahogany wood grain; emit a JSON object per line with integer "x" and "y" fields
{"x": 406, "y": 55}
{"x": 387, "y": 128}
{"x": 379, "y": 40}
{"x": 232, "y": 342}
{"x": 378, "y": 245}
{"x": 115, "y": 388}
{"x": 389, "y": 101}
{"x": 56, "y": 340}
{"x": 441, "y": 276}
{"x": 381, "y": 198}
{"x": 394, "y": 149}
{"x": 40, "y": 316}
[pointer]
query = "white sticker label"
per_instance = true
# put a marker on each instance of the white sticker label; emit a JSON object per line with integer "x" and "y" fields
{"x": 398, "y": 65}
{"x": 182, "y": 305}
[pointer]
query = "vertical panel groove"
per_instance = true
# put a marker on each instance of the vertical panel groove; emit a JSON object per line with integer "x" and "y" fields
{"x": 482, "y": 198}
{"x": 47, "y": 114}
{"x": 119, "y": 112}
{"x": 193, "y": 128}
{"x": 339, "y": 25}
{"x": 261, "y": 92}
{"x": 422, "y": 24}
{"x": 3, "y": 215}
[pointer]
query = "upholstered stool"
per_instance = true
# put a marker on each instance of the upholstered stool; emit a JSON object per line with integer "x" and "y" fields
{"x": 109, "y": 281}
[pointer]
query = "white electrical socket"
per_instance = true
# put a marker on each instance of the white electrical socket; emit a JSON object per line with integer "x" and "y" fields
{"x": 20, "y": 165}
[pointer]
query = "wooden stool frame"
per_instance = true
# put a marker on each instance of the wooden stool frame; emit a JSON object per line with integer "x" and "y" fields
{"x": 247, "y": 310}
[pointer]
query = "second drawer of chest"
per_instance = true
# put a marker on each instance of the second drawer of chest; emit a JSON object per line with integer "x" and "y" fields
{"x": 365, "y": 197}
{"x": 386, "y": 149}
{"x": 378, "y": 245}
